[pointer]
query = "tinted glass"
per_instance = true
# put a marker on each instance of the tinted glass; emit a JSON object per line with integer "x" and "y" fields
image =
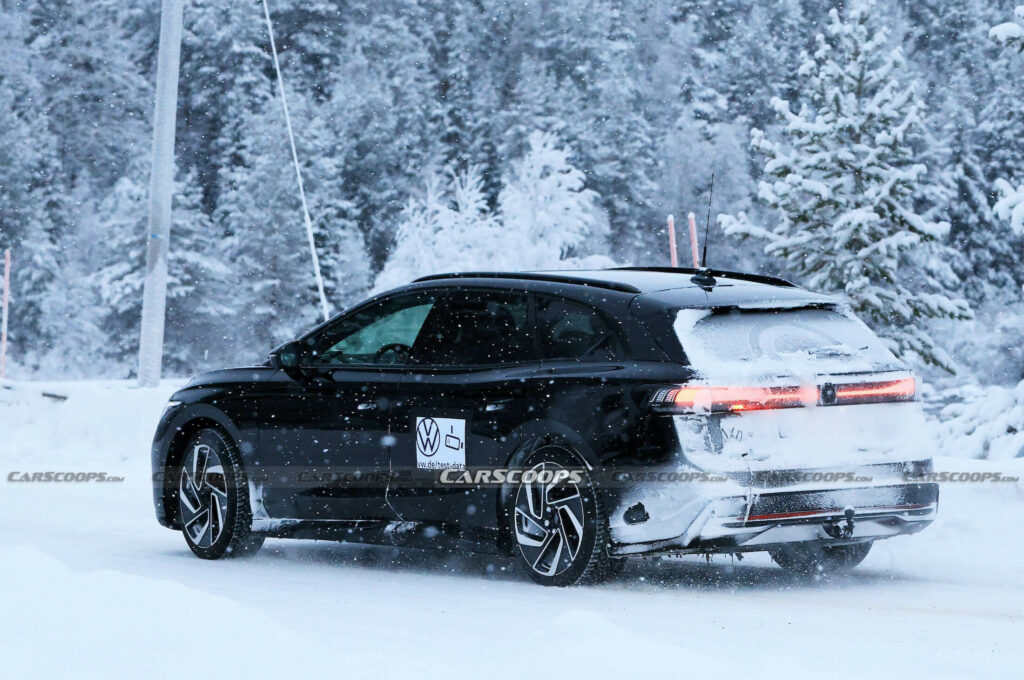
{"x": 382, "y": 334}
{"x": 477, "y": 328}
{"x": 569, "y": 330}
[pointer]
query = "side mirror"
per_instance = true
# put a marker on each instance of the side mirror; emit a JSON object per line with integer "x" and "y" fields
{"x": 287, "y": 356}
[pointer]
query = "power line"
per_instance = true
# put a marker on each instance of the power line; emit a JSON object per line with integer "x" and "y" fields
{"x": 298, "y": 172}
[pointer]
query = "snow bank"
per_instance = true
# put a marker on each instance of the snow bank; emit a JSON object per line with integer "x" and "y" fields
{"x": 988, "y": 423}
{"x": 85, "y": 422}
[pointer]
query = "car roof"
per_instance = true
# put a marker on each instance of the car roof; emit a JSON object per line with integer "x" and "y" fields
{"x": 674, "y": 287}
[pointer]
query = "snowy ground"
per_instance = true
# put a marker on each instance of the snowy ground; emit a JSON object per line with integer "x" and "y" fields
{"x": 92, "y": 587}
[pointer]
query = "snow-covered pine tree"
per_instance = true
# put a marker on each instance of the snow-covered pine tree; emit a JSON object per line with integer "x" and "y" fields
{"x": 986, "y": 258}
{"x": 958, "y": 187}
{"x": 546, "y": 218}
{"x": 93, "y": 84}
{"x": 616, "y": 141}
{"x": 260, "y": 213}
{"x": 225, "y": 75}
{"x": 379, "y": 118}
{"x": 1010, "y": 206}
{"x": 1010, "y": 34}
{"x": 199, "y": 303}
{"x": 547, "y": 210}
{"x": 447, "y": 228}
{"x": 843, "y": 184}
{"x": 992, "y": 425}
{"x": 30, "y": 193}
{"x": 575, "y": 69}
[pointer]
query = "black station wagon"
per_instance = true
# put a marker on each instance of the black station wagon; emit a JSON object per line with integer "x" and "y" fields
{"x": 570, "y": 419}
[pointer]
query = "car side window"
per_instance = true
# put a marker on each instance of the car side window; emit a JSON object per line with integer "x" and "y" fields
{"x": 477, "y": 328}
{"x": 570, "y": 330}
{"x": 381, "y": 334}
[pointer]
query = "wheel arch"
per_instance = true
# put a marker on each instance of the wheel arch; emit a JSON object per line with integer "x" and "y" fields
{"x": 533, "y": 436}
{"x": 186, "y": 425}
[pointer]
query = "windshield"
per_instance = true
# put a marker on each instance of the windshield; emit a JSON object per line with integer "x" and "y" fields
{"x": 779, "y": 341}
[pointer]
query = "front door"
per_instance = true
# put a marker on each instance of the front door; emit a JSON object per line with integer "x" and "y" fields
{"x": 324, "y": 437}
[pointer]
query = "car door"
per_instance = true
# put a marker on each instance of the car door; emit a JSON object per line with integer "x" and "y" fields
{"x": 474, "y": 374}
{"x": 324, "y": 434}
{"x": 583, "y": 356}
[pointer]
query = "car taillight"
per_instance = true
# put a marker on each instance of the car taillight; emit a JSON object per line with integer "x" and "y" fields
{"x": 903, "y": 389}
{"x": 722, "y": 399}
{"x": 732, "y": 399}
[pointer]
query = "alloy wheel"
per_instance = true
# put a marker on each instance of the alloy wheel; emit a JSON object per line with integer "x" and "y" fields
{"x": 549, "y": 520}
{"x": 203, "y": 496}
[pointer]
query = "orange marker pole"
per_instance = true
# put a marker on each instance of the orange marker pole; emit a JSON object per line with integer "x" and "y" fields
{"x": 693, "y": 240}
{"x": 673, "y": 259}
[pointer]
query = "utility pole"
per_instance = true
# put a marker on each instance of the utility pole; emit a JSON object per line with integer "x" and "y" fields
{"x": 161, "y": 189}
{"x": 3, "y": 318}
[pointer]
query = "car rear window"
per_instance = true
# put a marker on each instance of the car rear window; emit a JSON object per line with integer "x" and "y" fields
{"x": 780, "y": 341}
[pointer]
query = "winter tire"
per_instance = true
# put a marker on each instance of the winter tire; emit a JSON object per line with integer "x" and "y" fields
{"x": 559, "y": 528}
{"x": 213, "y": 499}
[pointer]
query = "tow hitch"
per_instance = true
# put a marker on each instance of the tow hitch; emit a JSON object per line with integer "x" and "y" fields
{"x": 841, "y": 530}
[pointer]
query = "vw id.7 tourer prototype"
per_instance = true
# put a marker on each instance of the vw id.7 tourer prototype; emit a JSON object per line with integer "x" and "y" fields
{"x": 569, "y": 419}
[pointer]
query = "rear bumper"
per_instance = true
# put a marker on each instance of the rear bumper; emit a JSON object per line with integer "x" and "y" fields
{"x": 762, "y": 521}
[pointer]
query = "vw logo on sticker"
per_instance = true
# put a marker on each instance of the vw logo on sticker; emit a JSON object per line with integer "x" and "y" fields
{"x": 428, "y": 437}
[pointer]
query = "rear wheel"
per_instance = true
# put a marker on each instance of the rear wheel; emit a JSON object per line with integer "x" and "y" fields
{"x": 811, "y": 560}
{"x": 559, "y": 528}
{"x": 213, "y": 499}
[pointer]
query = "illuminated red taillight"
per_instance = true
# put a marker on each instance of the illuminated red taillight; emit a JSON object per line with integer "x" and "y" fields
{"x": 725, "y": 399}
{"x": 742, "y": 398}
{"x": 903, "y": 389}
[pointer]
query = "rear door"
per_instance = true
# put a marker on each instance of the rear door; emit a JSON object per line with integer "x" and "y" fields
{"x": 474, "y": 379}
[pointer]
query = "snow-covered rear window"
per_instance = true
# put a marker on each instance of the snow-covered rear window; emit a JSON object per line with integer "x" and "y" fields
{"x": 779, "y": 341}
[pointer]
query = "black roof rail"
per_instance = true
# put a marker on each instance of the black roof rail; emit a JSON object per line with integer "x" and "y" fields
{"x": 741, "y": 276}
{"x": 536, "y": 276}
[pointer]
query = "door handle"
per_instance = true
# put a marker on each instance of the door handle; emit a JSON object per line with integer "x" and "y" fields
{"x": 497, "y": 405}
{"x": 366, "y": 406}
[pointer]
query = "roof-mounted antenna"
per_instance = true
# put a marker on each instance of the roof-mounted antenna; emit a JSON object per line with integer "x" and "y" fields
{"x": 703, "y": 277}
{"x": 707, "y": 225}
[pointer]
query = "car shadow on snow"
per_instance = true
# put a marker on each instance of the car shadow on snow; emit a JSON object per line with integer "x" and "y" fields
{"x": 722, "y": 573}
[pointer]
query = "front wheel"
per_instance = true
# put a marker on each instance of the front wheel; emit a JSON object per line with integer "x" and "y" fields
{"x": 559, "y": 528}
{"x": 213, "y": 499}
{"x": 815, "y": 560}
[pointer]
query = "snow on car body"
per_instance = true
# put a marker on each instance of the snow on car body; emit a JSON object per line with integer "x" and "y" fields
{"x": 807, "y": 419}
{"x": 569, "y": 418}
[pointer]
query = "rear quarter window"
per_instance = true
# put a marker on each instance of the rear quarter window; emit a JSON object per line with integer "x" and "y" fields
{"x": 571, "y": 330}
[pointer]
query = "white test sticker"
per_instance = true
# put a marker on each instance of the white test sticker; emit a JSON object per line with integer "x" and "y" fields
{"x": 441, "y": 443}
